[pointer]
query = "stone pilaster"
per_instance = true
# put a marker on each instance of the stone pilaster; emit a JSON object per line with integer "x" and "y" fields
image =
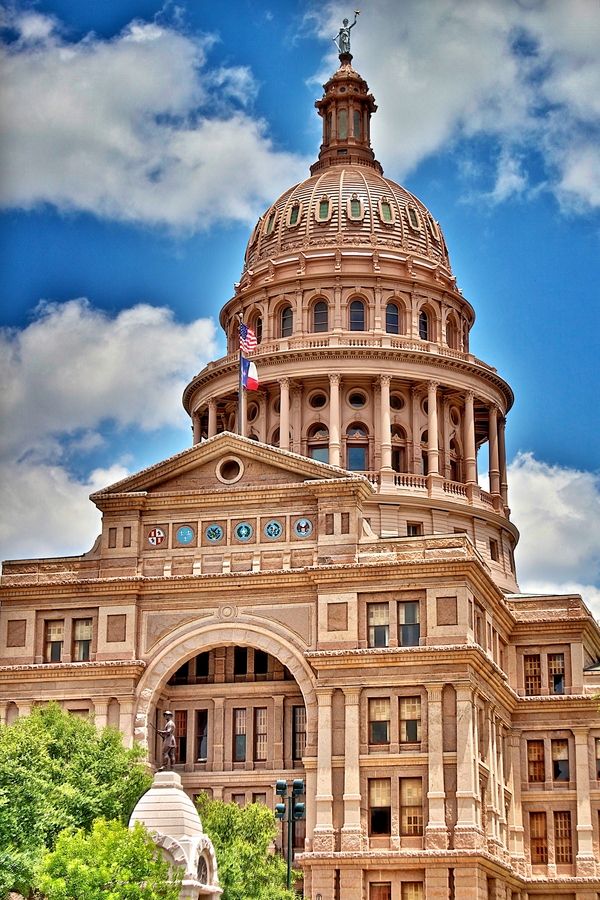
{"x": 585, "y": 848}
{"x": 323, "y": 836}
{"x": 284, "y": 413}
{"x": 467, "y": 833}
{"x": 334, "y": 419}
{"x": 433, "y": 453}
{"x": 436, "y": 832}
{"x": 351, "y": 837}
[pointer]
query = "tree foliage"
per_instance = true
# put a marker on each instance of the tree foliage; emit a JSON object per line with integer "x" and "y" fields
{"x": 109, "y": 863}
{"x": 57, "y": 771}
{"x": 242, "y": 838}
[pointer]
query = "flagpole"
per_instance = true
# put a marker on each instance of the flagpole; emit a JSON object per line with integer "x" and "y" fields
{"x": 241, "y": 391}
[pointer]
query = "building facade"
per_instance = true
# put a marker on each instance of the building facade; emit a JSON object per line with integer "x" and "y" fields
{"x": 331, "y": 594}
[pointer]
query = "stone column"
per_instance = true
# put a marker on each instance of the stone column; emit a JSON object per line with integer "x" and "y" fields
{"x": 386, "y": 422}
{"x": 351, "y": 830}
{"x": 196, "y": 433}
{"x": 278, "y": 724}
{"x": 469, "y": 440}
{"x": 212, "y": 417}
{"x": 416, "y": 437}
{"x": 284, "y": 413}
{"x": 100, "y": 713}
{"x": 494, "y": 460}
{"x": 585, "y": 848}
{"x": 296, "y": 392}
{"x": 502, "y": 460}
{"x": 216, "y": 746}
{"x": 515, "y": 825}
{"x": 433, "y": 453}
{"x": 334, "y": 419}
{"x": 446, "y": 437}
{"x": 466, "y": 832}
{"x": 311, "y": 789}
{"x": 436, "y": 832}
{"x": 126, "y": 720}
{"x": 324, "y": 838}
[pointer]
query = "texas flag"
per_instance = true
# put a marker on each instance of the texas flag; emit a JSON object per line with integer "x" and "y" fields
{"x": 249, "y": 375}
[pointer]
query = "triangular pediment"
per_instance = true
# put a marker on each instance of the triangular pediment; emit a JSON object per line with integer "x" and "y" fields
{"x": 226, "y": 462}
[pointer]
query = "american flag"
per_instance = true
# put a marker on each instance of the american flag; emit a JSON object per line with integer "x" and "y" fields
{"x": 247, "y": 339}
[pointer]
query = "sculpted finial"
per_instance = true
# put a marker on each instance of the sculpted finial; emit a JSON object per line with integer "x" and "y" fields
{"x": 342, "y": 39}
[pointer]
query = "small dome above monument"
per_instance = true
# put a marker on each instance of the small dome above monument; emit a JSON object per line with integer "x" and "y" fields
{"x": 167, "y": 809}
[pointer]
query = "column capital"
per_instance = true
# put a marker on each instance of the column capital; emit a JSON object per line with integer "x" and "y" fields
{"x": 211, "y": 402}
{"x": 334, "y": 378}
{"x": 385, "y": 379}
{"x": 434, "y": 692}
{"x": 470, "y": 395}
{"x": 433, "y": 385}
{"x": 352, "y": 695}
{"x": 284, "y": 382}
{"x": 324, "y": 696}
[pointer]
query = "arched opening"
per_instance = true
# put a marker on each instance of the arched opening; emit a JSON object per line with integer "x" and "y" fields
{"x": 399, "y": 451}
{"x": 392, "y": 318}
{"x": 320, "y": 316}
{"x": 454, "y": 463}
{"x": 424, "y": 453}
{"x": 357, "y": 316}
{"x": 318, "y": 442}
{"x": 357, "y": 447}
{"x": 452, "y": 333}
{"x": 286, "y": 322}
{"x": 425, "y": 332}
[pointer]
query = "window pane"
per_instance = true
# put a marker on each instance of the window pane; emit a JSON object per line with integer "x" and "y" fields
{"x": 424, "y": 326}
{"x": 412, "y": 890}
{"x": 343, "y": 124}
{"x": 357, "y": 316}
{"x": 538, "y": 838}
{"x": 560, "y": 760}
{"x": 355, "y": 208}
{"x": 563, "y": 844}
{"x": 287, "y": 321}
{"x": 321, "y": 454}
{"x": 239, "y": 735}
{"x": 299, "y": 732}
{"x": 556, "y": 672}
{"x": 260, "y": 734}
{"x": 379, "y": 806}
{"x": 202, "y": 734}
{"x": 356, "y": 126}
{"x": 320, "y": 316}
{"x": 386, "y": 211}
{"x": 381, "y": 890}
{"x": 411, "y": 806}
{"x": 378, "y": 622}
{"x": 410, "y": 719}
{"x": 357, "y": 458}
{"x": 536, "y": 771}
{"x": 294, "y": 213}
{"x": 533, "y": 675}
{"x": 379, "y": 720}
{"x": 324, "y": 209}
{"x": 392, "y": 319}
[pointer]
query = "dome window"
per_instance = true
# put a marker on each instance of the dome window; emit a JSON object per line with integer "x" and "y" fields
{"x": 357, "y": 399}
{"x": 258, "y": 329}
{"x": 434, "y": 229}
{"x": 318, "y": 442}
{"x": 343, "y": 124}
{"x": 424, "y": 326}
{"x": 320, "y": 316}
{"x": 356, "y": 125}
{"x": 318, "y": 400}
{"x": 354, "y": 209}
{"x": 295, "y": 214}
{"x": 357, "y": 316}
{"x": 357, "y": 447}
{"x": 286, "y": 321}
{"x": 397, "y": 402}
{"x": 413, "y": 218}
{"x": 270, "y": 222}
{"x": 386, "y": 213}
{"x": 323, "y": 210}
{"x": 392, "y": 318}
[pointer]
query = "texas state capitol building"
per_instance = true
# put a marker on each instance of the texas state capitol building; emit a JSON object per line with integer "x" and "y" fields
{"x": 333, "y": 596}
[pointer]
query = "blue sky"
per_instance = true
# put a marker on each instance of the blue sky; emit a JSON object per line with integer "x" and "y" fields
{"x": 142, "y": 140}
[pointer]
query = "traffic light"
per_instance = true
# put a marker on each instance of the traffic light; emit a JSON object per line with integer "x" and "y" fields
{"x": 299, "y": 811}
{"x": 297, "y": 787}
{"x": 281, "y": 787}
{"x": 280, "y": 810}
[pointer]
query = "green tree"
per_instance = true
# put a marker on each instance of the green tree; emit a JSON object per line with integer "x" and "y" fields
{"x": 242, "y": 838}
{"x": 108, "y": 863}
{"x": 57, "y": 771}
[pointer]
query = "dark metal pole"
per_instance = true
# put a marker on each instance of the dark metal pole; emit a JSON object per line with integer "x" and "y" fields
{"x": 290, "y": 801}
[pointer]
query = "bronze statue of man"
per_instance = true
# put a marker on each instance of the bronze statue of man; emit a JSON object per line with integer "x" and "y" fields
{"x": 169, "y": 743}
{"x": 342, "y": 40}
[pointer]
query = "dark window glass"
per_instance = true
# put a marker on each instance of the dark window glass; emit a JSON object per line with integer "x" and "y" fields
{"x": 261, "y": 662}
{"x": 357, "y": 458}
{"x": 181, "y": 676}
{"x": 294, "y": 213}
{"x": 392, "y": 319}
{"x": 202, "y": 734}
{"x": 202, "y": 663}
{"x": 355, "y": 208}
{"x": 343, "y": 124}
{"x": 324, "y": 209}
{"x": 240, "y": 661}
{"x": 413, "y": 217}
{"x": 320, "y": 316}
{"x": 409, "y": 629}
{"x": 357, "y": 316}
{"x": 181, "y": 735}
{"x": 386, "y": 211}
{"x": 298, "y": 732}
{"x": 258, "y": 330}
{"x": 287, "y": 321}
{"x": 423, "y": 326}
{"x": 356, "y": 126}
{"x": 321, "y": 454}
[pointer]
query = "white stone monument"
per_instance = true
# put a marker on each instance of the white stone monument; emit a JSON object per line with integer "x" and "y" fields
{"x": 173, "y": 821}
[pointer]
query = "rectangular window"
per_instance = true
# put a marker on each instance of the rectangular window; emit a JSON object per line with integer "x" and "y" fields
{"x": 560, "y": 760}
{"x": 536, "y": 769}
{"x": 54, "y": 637}
{"x": 294, "y": 213}
{"x": 345, "y": 520}
{"x": 414, "y": 529}
{"x": 357, "y": 458}
{"x": 240, "y": 799}
{"x": 533, "y": 675}
{"x": 202, "y": 735}
{"x": 563, "y": 841}
{"x": 202, "y": 664}
{"x": 127, "y": 536}
{"x": 380, "y": 890}
{"x": 412, "y": 890}
{"x": 379, "y": 720}
{"x": 181, "y": 735}
{"x": 494, "y": 554}
{"x": 556, "y": 673}
{"x": 411, "y": 806}
{"x": 380, "y": 806}
{"x": 410, "y": 720}
{"x": 261, "y": 664}
{"x": 239, "y": 735}
{"x": 82, "y": 639}
{"x": 240, "y": 662}
{"x": 356, "y": 125}
{"x": 409, "y": 629}
{"x": 259, "y": 798}
{"x": 298, "y": 732}
{"x": 343, "y": 124}
{"x": 260, "y": 734}
{"x": 378, "y": 617}
{"x": 323, "y": 209}
{"x": 112, "y": 538}
{"x": 538, "y": 838}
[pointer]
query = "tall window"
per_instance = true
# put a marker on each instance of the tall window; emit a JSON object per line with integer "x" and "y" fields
{"x": 260, "y": 734}
{"x": 560, "y": 760}
{"x": 286, "y": 321}
{"x": 392, "y": 318}
{"x": 357, "y": 447}
{"x": 54, "y": 638}
{"x": 239, "y": 735}
{"x": 380, "y": 806}
{"x": 258, "y": 329}
{"x": 536, "y": 770}
{"x": 82, "y": 639}
{"x": 411, "y": 890}
{"x": 320, "y": 316}
{"x": 409, "y": 629}
{"x": 563, "y": 839}
{"x": 378, "y": 617}
{"x": 298, "y": 732}
{"x": 356, "y": 127}
{"x": 240, "y": 662}
{"x": 538, "y": 838}
{"x": 181, "y": 717}
{"x": 379, "y": 720}
{"x": 294, "y": 214}
{"x": 398, "y": 448}
{"x": 411, "y": 806}
{"x": 556, "y": 673}
{"x": 533, "y": 675}
{"x": 318, "y": 442}
{"x": 410, "y": 720}
{"x": 380, "y": 890}
{"x": 202, "y": 666}
{"x": 452, "y": 333}
{"x": 424, "y": 329}
{"x": 357, "y": 315}
{"x": 202, "y": 735}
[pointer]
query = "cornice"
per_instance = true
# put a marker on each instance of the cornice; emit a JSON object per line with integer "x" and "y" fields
{"x": 61, "y": 671}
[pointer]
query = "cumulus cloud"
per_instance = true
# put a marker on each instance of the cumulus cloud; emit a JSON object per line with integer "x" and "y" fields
{"x": 71, "y": 371}
{"x": 557, "y": 511}
{"x": 526, "y": 75}
{"x": 137, "y": 128}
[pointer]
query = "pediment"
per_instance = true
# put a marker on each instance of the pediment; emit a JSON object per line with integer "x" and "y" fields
{"x": 225, "y": 462}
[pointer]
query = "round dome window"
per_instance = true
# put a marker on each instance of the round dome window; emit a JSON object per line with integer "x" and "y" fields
{"x": 397, "y": 402}
{"x": 229, "y": 470}
{"x": 318, "y": 400}
{"x": 356, "y": 399}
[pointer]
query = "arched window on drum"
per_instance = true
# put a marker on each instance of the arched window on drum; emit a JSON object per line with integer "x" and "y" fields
{"x": 357, "y": 317}
{"x": 357, "y": 447}
{"x": 318, "y": 442}
{"x": 320, "y": 316}
{"x": 286, "y": 322}
{"x": 392, "y": 318}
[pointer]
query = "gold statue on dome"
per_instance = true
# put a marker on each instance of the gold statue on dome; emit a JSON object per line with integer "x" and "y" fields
{"x": 342, "y": 39}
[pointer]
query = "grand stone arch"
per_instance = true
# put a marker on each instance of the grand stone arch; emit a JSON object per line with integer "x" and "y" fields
{"x": 185, "y": 642}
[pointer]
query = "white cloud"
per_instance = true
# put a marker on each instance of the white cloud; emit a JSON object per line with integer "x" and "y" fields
{"x": 138, "y": 128}
{"x": 65, "y": 376}
{"x": 557, "y": 511}
{"x": 528, "y": 75}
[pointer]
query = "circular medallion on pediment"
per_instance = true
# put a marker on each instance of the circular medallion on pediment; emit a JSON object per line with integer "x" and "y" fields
{"x": 303, "y": 528}
{"x": 185, "y": 534}
{"x": 156, "y": 537}
{"x": 243, "y": 531}
{"x": 273, "y": 529}
{"x": 214, "y": 533}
